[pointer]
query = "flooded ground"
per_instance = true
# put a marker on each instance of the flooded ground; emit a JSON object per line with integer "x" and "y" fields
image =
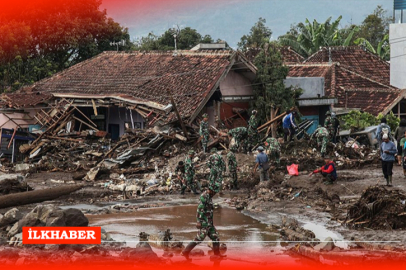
{"x": 247, "y": 239}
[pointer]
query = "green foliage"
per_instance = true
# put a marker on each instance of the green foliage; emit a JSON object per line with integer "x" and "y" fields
{"x": 358, "y": 120}
{"x": 361, "y": 120}
{"x": 382, "y": 49}
{"x": 269, "y": 88}
{"x": 259, "y": 35}
{"x": 375, "y": 27}
{"x": 186, "y": 39}
{"x": 307, "y": 38}
{"x": 391, "y": 119}
{"x": 38, "y": 39}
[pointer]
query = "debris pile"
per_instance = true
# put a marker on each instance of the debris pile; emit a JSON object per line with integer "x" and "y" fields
{"x": 378, "y": 208}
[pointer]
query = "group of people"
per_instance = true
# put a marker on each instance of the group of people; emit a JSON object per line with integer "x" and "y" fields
{"x": 246, "y": 138}
{"x": 390, "y": 152}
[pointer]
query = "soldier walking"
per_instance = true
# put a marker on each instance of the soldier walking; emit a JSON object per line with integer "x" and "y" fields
{"x": 204, "y": 131}
{"x": 205, "y": 224}
{"x": 190, "y": 171}
{"x": 232, "y": 167}
{"x": 253, "y": 136}
{"x": 322, "y": 136}
{"x": 217, "y": 167}
{"x": 274, "y": 150}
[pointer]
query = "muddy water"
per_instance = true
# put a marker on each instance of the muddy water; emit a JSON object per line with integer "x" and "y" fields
{"x": 231, "y": 225}
{"x": 246, "y": 238}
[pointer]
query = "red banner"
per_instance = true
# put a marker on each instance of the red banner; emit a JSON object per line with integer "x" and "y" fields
{"x": 61, "y": 235}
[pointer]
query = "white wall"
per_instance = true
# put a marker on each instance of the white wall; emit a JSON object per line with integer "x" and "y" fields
{"x": 397, "y": 40}
{"x": 235, "y": 84}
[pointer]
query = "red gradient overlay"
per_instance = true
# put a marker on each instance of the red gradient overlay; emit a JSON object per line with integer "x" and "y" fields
{"x": 61, "y": 235}
{"x": 91, "y": 263}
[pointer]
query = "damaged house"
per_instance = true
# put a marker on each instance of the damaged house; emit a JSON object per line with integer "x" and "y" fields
{"x": 343, "y": 79}
{"x": 116, "y": 91}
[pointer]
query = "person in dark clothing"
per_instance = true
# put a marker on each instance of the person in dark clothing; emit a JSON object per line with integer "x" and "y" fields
{"x": 399, "y": 135}
{"x": 388, "y": 152}
{"x": 328, "y": 171}
{"x": 289, "y": 126}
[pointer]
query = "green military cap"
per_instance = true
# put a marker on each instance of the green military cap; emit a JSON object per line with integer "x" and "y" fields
{"x": 191, "y": 152}
{"x": 205, "y": 115}
{"x": 214, "y": 188}
{"x": 328, "y": 113}
{"x": 213, "y": 150}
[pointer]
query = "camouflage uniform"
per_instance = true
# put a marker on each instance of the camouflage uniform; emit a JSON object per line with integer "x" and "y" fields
{"x": 232, "y": 167}
{"x": 217, "y": 167}
{"x": 204, "y": 132}
{"x": 190, "y": 173}
{"x": 322, "y": 136}
{"x": 274, "y": 150}
{"x": 205, "y": 218}
{"x": 239, "y": 134}
{"x": 180, "y": 171}
{"x": 253, "y": 136}
{"x": 329, "y": 125}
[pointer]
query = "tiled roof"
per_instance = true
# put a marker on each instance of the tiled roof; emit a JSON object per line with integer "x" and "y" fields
{"x": 24, "y": 98}
{"x": 356, "y": 59}
{"x": 351, "y": 89}
{"x": 289, "y": 56}
{"x": 190, "y": 76}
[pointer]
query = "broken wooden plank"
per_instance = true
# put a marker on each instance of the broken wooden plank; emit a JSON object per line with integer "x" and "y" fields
{"x": 271, "y": 122}
{"x": 84, "y": 123}
{"x": 94, "y": 107}
{"x": 84, "y": 115}
{"x": 12, "y": 138}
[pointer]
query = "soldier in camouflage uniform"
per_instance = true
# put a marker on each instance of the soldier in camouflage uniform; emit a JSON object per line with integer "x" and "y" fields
{"x": 190, "y": 171}
{"x": 274, "y": 150}
{"x": 205, "y": 224}
{"x": 180, "y": 172}
{"x": 253, "y": 136}
{"x": 329, "y": 123}
{"x": 240, "y": 135}
{"x": 232, "y": 167}
{"x": 322, "y": 136}
{"x": 217, "y": 167}
{"x": 204, "y": 131}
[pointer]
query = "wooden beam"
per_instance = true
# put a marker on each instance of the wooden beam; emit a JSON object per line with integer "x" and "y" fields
{"x": 87, "y": 118}
{"x": 178, "y": 115}
{"x": 271, "y": 122}
{"x": 12, "y": 138}
{"x": 94, "y": 107}
{"x": 84, "y": 123}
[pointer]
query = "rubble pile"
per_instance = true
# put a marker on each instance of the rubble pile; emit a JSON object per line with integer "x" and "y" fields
{"x": 378, "y": 208}
{"x": 346, "y": 156}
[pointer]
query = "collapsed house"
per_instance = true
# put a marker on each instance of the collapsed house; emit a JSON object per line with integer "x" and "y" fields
{"x": 118, "y": 91}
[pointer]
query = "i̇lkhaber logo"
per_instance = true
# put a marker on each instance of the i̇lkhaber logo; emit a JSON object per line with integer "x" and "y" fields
{"x": 61, "y": 235}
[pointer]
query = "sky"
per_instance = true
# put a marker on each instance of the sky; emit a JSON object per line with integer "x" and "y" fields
{"x": 229, "y": 20}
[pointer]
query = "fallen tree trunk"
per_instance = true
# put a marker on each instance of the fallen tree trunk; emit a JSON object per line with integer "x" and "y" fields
{"x": 36, "y": 196}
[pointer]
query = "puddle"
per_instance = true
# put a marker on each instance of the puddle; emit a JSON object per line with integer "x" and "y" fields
{"x": 242, "y": 234}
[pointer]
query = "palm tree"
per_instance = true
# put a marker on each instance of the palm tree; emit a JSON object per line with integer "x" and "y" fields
{"x": 382, "y": 49}
{"x": 312, "y": 36}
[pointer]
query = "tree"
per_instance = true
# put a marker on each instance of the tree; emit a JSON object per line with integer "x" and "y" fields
{"x": 48, "y": 36}
{"x": 270, "y": 92}
{"x": 375, "y": 27}
{"x": 382, "y": 49}
{"x": 259, "y": 35}
{"x": 186, "y": 39}
{"x": 311, "y": 36}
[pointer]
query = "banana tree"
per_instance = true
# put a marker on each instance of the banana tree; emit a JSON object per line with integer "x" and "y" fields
{"x": 382, "y": 50}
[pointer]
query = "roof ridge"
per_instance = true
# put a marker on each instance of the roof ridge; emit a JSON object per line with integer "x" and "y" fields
{"x": 369, "y": 79}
